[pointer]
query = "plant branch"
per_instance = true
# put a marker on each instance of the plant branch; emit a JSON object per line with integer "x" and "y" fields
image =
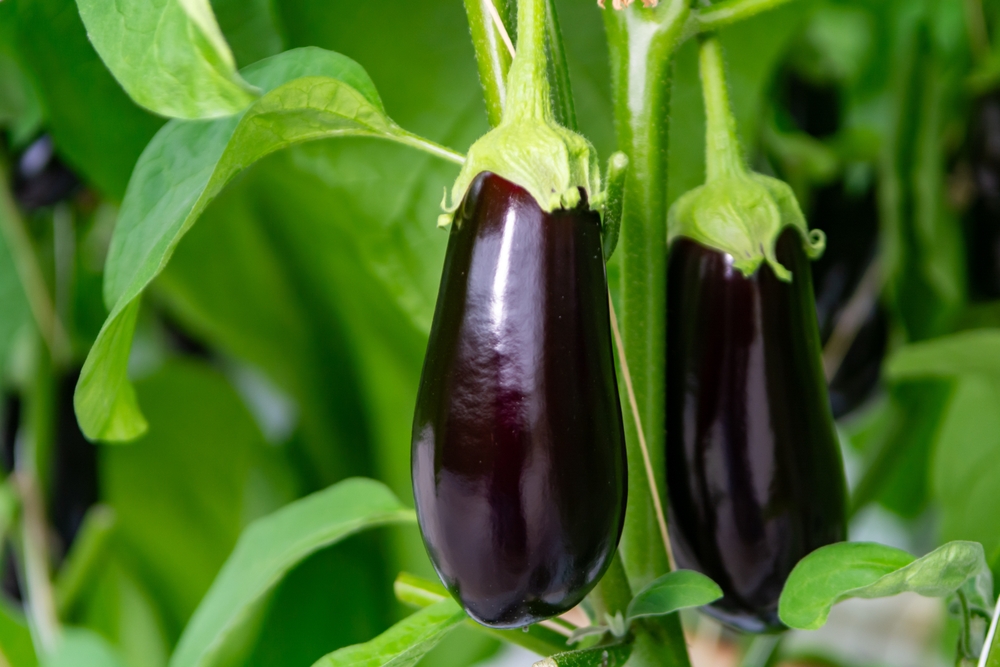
{"x": 30, "y": 274}
{"x": 427, "y": 146}
{"x": 727, "y": 12}
{"x": 494, "y": 51}
{"x": 990, "y": 637}
{"x": 40, "y": 601}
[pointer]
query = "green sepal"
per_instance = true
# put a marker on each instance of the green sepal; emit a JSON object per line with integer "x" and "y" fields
{"x": 528, "y": 147}
{"x": 743, "y": 214}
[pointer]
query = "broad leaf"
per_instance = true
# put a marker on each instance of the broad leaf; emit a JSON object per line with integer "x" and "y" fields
{"x": 82, "y": 648}
{"x": 182, "y": 170}
{"x": 671, "y": 592}
{"x": 601, "y": 656}
{"x": 170, "y": 57}
{"x": 865, "y": 570}
{"x": 270, "y": 547}
{"x": 975, "y": 352}
{"x": 15, "y": 637}
{"x": 404, "y": 644}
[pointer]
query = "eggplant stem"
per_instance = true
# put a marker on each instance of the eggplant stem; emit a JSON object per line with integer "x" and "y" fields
{"x": 990, "y": 637}
{"x": 634, "y": 404}
{"x": 498, "y": 22}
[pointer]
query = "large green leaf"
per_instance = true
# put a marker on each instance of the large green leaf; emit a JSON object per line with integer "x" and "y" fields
{"x": 184, "y": 494}
{"x": 601, "y": 656}
{"x": 96, "y": 127}
{"x": 270, "y": 548}
{"x": 170, "y": 57}
{"x": 865, "y": 570}
{"x": 182, "y": 170}
{"x": 404, "y": 644}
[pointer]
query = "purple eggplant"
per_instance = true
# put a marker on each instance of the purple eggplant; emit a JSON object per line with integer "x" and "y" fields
{"x": 519, "y": 464}
{"x": 754, "y": 472}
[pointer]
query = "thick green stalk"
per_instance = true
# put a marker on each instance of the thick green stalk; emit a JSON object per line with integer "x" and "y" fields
{"x": 528, "y": 88}
{"x": 492, "y": 53}
{"x": 642, "y": 45}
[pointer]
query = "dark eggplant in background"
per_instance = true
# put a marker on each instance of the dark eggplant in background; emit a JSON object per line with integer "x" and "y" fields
{"x": 754, "y": 472}
{"x": 519, "y": 463}
{"x": 40, "y": 178}
{"x": 982, "y": 226}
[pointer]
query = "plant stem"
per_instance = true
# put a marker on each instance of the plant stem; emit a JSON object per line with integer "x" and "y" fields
{"x": 975, "y": 20}
{"x": 528, "y": 89}
{"x": 722, "y": 145}
{"x": 728, "y": 12}
{"x": 562, "y": 91}
{"x": 642, "y": 43}
{"x": 493, "y": 55}
{"x": 428, "y": 146}
{"x": 30, "y": 274}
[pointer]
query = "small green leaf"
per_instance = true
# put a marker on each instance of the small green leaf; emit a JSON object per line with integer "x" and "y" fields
{"x": 974, "y": 352}
{"x": 170, "y": 57}
{"x": 865, "y": 570}
{"x": 313, "y": 94}
{"x": 271, "y": 547}
{"x": 404, "y": 644}
{"x": 601, "y": 656}
{"x": 83, "y": 648}
{"x": 15, "y": 637}
{"x": 672, "y": 592}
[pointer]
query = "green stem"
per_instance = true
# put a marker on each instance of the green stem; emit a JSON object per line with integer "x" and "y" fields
{"x": 613, "y": 593}
{"x": 427, "y": 146}
{"x": 728, "y": 12}
{"x": 562, "y": 90}
{"x": 492, "y": 53}
{"x": 979, "y": 39}
{"x": 85, "y": 558}
{"x": 30, "y": 274}
{"x": 723, "y": 157}
{"x": 528, "y": 82}
{"x": 642, "y": 43}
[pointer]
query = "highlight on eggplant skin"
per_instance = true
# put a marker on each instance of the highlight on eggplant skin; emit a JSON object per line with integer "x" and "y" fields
{"x": 754, "y": 472}
{"x": 518, "y": 459}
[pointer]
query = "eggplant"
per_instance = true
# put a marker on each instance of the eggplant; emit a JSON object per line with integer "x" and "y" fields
{"x": 850, "y": 223}
{"x": 41, "y": 179}
{"x": 982, "y": 228}
{"x": 754, "y": 473}
{"x": 518, "y": 457}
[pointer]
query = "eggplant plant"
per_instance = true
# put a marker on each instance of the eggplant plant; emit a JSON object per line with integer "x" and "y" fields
{"x": 700, "y": 342}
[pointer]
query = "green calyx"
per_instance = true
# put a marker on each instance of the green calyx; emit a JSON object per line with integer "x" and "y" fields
{"x": 529, "y": 147}
{"x": 737, "y": 211}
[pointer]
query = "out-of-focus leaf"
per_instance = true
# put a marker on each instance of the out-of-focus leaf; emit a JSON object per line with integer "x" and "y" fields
{"x": 15, "y": 638}
{"x": 184, "y": 494}
{"x": 673, "y": 591}
{"x": 96, "y": 127}
{"x": 965, "y": 465}
{"x": 404, "y": 644}
{"x": 272, "y": 546}
{"x": 82, "y": 648}
{"x": 601, "y": 656}
{"x": 183, "y": 169}
{"x": 13, "y": 300}
{"x": 251, "y": 27}
{"x": 865, "y": 570}
{"x": 975, "y": 352}
{"x": 20, "y": 109}
{"x": 170, "y": 56}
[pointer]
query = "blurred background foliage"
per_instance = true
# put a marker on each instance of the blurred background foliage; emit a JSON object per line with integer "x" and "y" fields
{"x": 279, "y": 351}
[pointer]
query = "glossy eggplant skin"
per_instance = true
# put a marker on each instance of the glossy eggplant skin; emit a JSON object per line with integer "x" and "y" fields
{"x": 754, "y": 471}
{"x": 518, "y": 458}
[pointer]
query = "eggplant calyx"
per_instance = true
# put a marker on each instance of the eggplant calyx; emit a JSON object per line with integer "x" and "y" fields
{"x": 529, "y": 147}
{"x": 736, "y": 211}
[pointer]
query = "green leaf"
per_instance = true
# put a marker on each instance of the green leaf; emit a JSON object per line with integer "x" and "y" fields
{"x": 270, "y": 547}
{"x": 866, "y": 570}
{"x": 13, "y": 300}
{"x": 170, "y": 57}
{"x": 82, "y": 648}
{"x": 672, "y": 592}
{"x": 182, "y": 170}
{"x": 96, "y": 127}
{"x": 404, "y": 644}
{"x": 15, "y": 637}
{"x": 601, "y": 656}
{"x": 975, "y": 352}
